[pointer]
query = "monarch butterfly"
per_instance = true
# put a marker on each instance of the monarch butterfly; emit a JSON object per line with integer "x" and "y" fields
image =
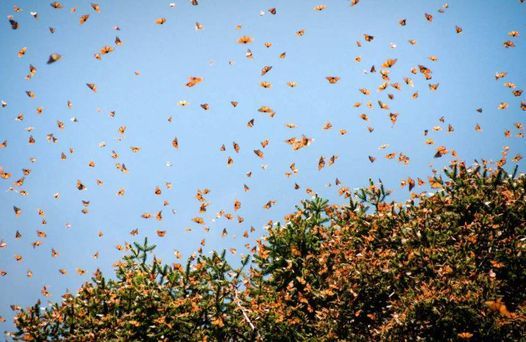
{"x": 80, "y": 186}
{"x": 14, "y": 23}
{"x": 245, "y": 40}
{"x": 503, "y": 105}
{"x": 92, "y": 86}
{"x": 321, "y": 163}
{"x": 368, "y": 37}
{"x": 53, "y": 58}
{"x": 269, "y": 204}
{"x": 22, "y": 52}
{"x": 265, "y": 69}
{"x": 266, "y": 110}
{"x": 193, "y": 80}
{"x": 56, "y": 5}
{"x": 106, "y": 49}
{"x": 429, "y": 17}
{"x": 434, "y": 86}
{"x": 249, "y": 54}
{"x": 332, "y": 79}
{"x": 83, "y": 18}
{"x": 259, "y": 154}
{"x": 441, "y": 150}
{"x": 160, "y": 21}
{"x": 389, "y": 63}
{"x": 95, "y": 7}
{"x": 365, "y": 91}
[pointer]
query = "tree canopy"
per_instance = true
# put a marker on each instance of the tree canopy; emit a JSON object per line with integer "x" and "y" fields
{"x": 450, "y": 265}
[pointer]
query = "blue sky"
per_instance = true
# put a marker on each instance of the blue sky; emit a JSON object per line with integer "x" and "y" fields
{"x": 166, "y": 55}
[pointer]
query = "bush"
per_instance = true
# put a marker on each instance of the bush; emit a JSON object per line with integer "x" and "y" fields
{"x": 449, "y": 266}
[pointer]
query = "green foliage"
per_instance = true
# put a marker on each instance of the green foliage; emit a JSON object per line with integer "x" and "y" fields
{"x": 448, "y": 266}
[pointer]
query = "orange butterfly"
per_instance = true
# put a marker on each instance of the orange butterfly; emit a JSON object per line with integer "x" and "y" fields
{"x": 332, "y": 79}
{"x": 245, "y": 40}
{"x": 193, "y": 80}
{"x": 83, "y": 18}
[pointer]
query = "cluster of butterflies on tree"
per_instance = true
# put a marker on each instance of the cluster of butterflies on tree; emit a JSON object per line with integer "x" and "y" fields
{"x": 386, "y": 85}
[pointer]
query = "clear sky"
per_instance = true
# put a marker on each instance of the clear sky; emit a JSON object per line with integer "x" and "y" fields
{"x": 143, "y": 80}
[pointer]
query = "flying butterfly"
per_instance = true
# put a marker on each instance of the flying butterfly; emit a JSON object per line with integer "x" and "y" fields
{"x": 56, "y": 5}
{"x": 428, "y": 17}
{"x": 83, "y": 18}
{"x": 332, "y": 79}
{"x": 95, "y": 7}
{"x": 54, "y": 57}
{"x": 245, "y": 40}
{"x": 13, "y": 22}
{"x": 92, "y": 86}
{"x": 193, "y": 80}
{"x": 266, "y": 69}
